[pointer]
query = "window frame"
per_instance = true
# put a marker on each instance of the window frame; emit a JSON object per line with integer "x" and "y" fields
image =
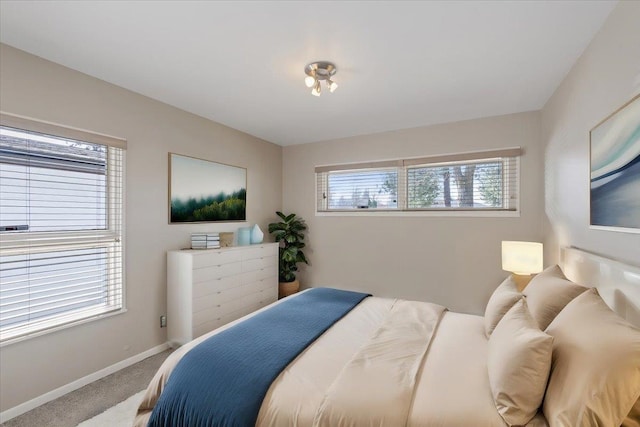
{"x": 510, "y": 158}
{"x": 111, "y": 238}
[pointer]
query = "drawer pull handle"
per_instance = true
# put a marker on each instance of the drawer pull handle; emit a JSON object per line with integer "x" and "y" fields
{"x": 219, "y": 292}
{"x": 218, "y": 305}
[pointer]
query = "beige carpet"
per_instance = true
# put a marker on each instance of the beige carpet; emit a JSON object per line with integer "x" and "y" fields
{"x": 92, "y": 399}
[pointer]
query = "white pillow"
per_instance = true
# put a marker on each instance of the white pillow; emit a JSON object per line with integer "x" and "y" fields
{"x": 519, "y": 360}
{"x": 548, "y": 293}
{"x": 595, "y": 376}
{"x": 502, "y": 299}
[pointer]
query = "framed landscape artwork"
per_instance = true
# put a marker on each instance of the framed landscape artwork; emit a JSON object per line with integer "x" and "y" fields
{"x": 205, "y": 191}
{"x": 615, "y": 170}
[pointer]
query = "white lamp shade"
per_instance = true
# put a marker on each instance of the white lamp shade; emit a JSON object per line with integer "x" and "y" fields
{"x": 522, "y": 257}
{"x": 309, "y": 81}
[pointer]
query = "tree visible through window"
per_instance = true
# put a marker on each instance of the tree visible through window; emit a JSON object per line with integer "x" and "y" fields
{"x": 475, "y": 184}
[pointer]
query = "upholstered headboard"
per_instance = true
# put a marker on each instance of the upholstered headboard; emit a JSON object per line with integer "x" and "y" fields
{"x": 618, "y": 283}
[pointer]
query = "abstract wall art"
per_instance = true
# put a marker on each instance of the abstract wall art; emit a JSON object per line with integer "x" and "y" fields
{"x": 615, "y": 170}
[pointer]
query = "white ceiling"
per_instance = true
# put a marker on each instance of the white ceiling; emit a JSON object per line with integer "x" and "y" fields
{"x": 400, "y": 64}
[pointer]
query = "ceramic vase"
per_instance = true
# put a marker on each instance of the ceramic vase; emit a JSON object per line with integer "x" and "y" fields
{"x": 256, "y": 235}
{"x": 244, "y": 236}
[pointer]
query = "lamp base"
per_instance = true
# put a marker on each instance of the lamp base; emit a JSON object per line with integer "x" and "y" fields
{"x": 521, "y": 280}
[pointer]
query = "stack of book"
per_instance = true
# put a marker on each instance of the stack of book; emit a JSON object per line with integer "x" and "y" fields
{"x": 205, "y": 240}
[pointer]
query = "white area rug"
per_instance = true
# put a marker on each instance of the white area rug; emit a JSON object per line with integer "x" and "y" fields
{"x": 120, "y": 415}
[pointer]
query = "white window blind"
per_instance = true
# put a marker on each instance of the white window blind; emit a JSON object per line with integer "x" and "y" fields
{"x": 369, "y": 189}
{"x": 61, "y": 196}
{"x": 478, "y": 181}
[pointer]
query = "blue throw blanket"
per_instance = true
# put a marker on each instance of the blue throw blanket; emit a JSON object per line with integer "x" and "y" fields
{"x": 223, "y": 380}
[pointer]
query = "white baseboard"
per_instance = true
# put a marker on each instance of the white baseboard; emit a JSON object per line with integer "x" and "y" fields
{"x": 61, "y": 391}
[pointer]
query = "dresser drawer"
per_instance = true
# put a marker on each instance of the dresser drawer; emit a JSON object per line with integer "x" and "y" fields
{"x": 258, "y": 263}
{"x": 256, "y": 275}
{"x": 266, "y": 297}
{"x": 260, "y": 252}
{"x": 268, "y": 273}
{"x": 262, "y": 297}
{"x": 216, "y": 271}
{"x": 220, "y": 298}
{"x": 215, "y": 286}
{"x": 207, "y": 316}
{"x": 262, "y": 284}
{"x": 212, "y": 257}
{"x": 269, "y": 283}
{"x": 222, "y": 309}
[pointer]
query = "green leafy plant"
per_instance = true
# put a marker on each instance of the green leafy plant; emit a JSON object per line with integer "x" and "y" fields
{"x": 288, "y": 233}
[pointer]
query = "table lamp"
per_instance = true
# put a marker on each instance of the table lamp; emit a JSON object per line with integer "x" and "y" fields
{"x": 522, "y": 259}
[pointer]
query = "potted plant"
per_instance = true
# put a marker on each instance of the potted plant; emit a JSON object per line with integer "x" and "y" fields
{"x": 288, "y": 233}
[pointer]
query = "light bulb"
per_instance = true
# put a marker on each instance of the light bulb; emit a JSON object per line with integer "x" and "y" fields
{"x": 316, "y": 89}
{"x": 332, "y": 85}
{"x": 309, "y": 81}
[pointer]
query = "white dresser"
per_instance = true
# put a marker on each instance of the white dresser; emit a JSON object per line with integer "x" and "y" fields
{"x": 209, "y": 288}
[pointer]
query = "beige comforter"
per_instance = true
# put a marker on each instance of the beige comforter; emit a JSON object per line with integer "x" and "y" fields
{"x": 387, "y": 363}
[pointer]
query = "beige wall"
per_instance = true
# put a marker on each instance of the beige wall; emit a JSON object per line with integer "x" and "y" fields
{"x": 454, "y": 261}
{"x": 605, "y": 77}
{"x": 37, "y": 88}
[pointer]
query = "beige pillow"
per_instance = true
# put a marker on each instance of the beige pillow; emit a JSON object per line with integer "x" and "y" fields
{"x": 548, "y": 293}
{"x": 502, "y": 299}
{"x": 595, "y": 374}
{"x": 633, "y": 417}
{"x": 518, "y": 361}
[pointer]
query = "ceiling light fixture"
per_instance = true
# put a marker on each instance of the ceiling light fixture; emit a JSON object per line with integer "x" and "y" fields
{"x": 317, "y": 71}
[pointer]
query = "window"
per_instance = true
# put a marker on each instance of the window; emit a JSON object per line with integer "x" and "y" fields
{"x": 469, "y": 182}
{"x": 61, "y": 194}
{"x": 370, "y": 189}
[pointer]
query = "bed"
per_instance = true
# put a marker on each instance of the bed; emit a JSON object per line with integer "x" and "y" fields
{"x": 390, "y": 362}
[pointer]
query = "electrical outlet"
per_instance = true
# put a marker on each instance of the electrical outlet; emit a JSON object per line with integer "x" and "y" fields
{"x": 163, "y": 321}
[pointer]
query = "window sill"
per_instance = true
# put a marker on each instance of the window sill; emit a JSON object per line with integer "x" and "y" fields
{"x": 453, "y": 213}
{"x": 71, "y": 323}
